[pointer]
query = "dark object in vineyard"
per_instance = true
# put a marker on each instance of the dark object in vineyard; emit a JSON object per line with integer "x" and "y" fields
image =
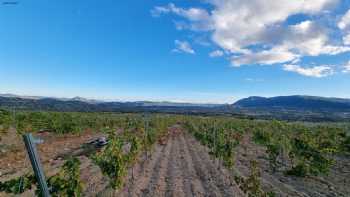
{"x": 163, "y": 140}
{"x": 99, "y": 142}
{"x": 102, "y": 141}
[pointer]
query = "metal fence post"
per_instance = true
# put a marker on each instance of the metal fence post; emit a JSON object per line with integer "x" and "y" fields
{"x": 35, "y": 160}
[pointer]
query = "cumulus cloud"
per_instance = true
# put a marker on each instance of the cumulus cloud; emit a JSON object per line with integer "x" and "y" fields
{"x": 344, "y": 25}
{"x": 256, "y": 31}
{"x": 193, "y": 14}
{"x": 158, "y": 10}
{"x": 266, "y": 57}
{"x": 216, "y": 53}
{"x": 315, "y": 71}
{"x": 183, "y": 46}
{"x": 239, "y": 24}
{"x": 197, "y": 16}
{"x": 309, "y": 38}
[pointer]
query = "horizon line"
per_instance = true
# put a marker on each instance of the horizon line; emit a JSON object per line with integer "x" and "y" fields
{"x": 175, "y": 101}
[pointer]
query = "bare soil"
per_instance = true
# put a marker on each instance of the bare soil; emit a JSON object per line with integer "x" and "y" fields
{"x": 14, "y": 161}
{"x": 181, "y": 167}
{"x": 336, "y": 183}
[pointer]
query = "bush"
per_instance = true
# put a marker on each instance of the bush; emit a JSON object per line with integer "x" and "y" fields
{"x": 67, "y": 181}
{"x": 252, "y": 185}
{"x": 112, "y": 162}
{"x": 300, "y": 170}
{"x": 346, "y": 144}
{"x": 18, "y": 185}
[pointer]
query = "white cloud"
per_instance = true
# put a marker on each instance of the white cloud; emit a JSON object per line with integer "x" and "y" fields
{"x": 183, "y": 46}
{"x": 202, "y": 40}
{"x": 266, "y": 57}
{"x": 344, "y": 24}
{"x": 193, "y": 14}
{"x": 309, "y": 38}
{"x": 316, "y": 71}
{"x": 181, "y": 25}
{"x": 256, "y": 32}
{"x": 239, "y": 24}
{"x": 346, "y": 68}
{"x": 158, "y": 10}
{"x": 216, "y": 53}
{"x": 197, "y": 16}
{"x": 346, "y": 39}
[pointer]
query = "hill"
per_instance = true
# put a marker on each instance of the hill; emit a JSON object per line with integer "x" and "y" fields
{"x": 295, "y": 108}
{"x": 302, "y": 103}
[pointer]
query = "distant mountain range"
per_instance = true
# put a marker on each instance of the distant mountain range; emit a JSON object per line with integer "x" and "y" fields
{"x": 309, "y": 108}
{"x": 80, "y": 104}
{"x": 297, "y": 102}
{"x": 301, "y": 108}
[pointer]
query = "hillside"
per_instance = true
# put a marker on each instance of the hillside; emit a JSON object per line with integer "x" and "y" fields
{"x": 301, "y": 103}
{"x": 295, "y": 108}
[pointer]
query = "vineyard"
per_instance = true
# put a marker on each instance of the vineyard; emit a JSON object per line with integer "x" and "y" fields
{"x": 174, "y": 155}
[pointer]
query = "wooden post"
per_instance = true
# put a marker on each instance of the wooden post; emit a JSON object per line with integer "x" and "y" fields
{"x": 35, "y": 161}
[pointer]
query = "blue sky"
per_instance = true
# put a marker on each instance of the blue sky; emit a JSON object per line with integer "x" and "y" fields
{"x": 214, "y": 51}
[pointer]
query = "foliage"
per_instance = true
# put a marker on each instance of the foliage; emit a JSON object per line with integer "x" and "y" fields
{"x": 308, "y": 148}
{"x": 346, "y": 144}
{"x": 18, "y": 185}
{"x": 251, "y": 185}
{"x": 5, "y": 120}
{"x": 123, "y": 149}
{"x": 298, "y": 149}
{"x": 273, "y": 151}
{"x": 64, "y": 122}
{"x": 67, "y": 181}
{"x": 299, "y": 170}
{"x": 113, "y": 162}
{"x": 220, "y": 135}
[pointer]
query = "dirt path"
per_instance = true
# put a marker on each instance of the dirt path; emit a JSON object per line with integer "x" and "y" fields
{"x": 181, "y": 167}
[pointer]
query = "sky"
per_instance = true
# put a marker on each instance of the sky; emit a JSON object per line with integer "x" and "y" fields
{"x": 203, "y": 51}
